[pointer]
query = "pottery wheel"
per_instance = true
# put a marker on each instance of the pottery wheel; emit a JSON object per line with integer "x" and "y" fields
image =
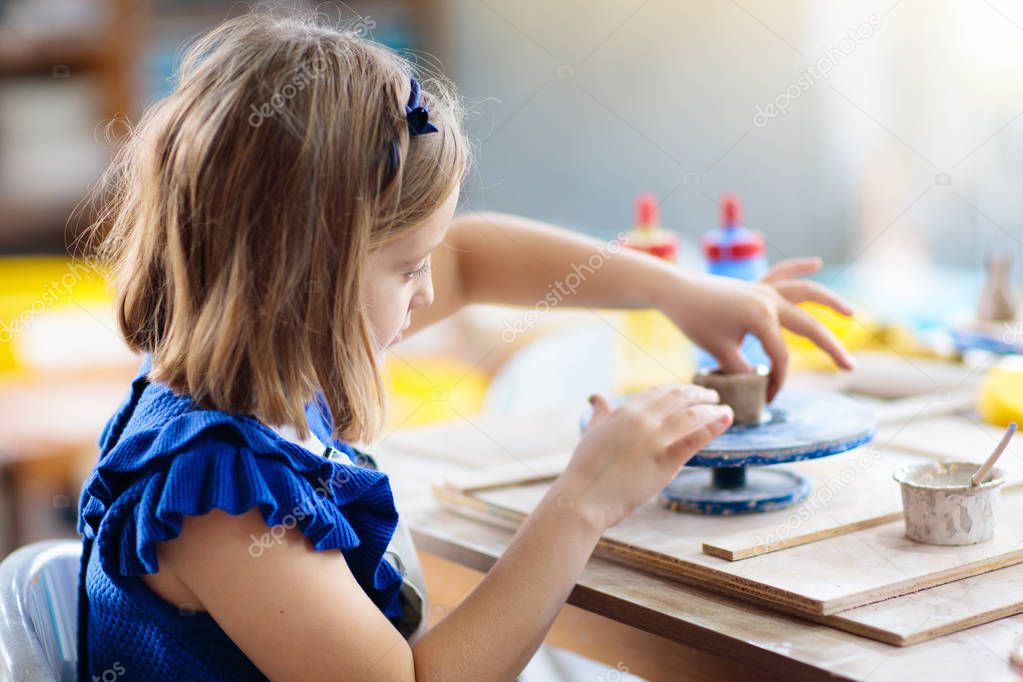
{"x": 801, "y": 424}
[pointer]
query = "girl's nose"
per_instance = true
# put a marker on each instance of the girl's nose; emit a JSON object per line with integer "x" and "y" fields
{"x": 424, "y": 295}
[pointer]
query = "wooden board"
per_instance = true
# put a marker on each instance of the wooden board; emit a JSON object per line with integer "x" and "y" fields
{"x": 655, "y": 605}
{"x": 822, "y": 578}
{"x": 849, "y": 493}
{"x": 957, "y": 437}
{"x": 924, "y": 406}
{"x": 908, "y": 613}
{"x": 835, "y": 507}
{"x": 534, "y": 470}
{"x": 938, "y": 611}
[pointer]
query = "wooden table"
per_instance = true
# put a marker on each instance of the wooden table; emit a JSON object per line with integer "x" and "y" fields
{"x": 657, "y": 628}
{"x": 49, "y": 426}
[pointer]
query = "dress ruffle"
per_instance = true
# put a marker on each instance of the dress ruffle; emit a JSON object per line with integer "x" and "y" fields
{"x": 185, "y": 461}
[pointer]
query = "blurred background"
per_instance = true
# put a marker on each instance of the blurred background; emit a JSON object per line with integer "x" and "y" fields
{"x": 883, "y": 136}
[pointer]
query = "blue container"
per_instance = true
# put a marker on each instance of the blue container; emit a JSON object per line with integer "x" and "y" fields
{"x": 733, "y": 250}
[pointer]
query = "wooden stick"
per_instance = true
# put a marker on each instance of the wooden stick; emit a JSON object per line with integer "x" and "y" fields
{"x": 986, "y": 466}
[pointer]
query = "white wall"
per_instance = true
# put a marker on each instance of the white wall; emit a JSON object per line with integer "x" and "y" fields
{"x": 658, "y": 89}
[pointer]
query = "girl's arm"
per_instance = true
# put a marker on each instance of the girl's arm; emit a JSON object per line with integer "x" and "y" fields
{"x": 300, "y": 614}
{"x": 518, "y": 261}
{"x": 496, "y": 258}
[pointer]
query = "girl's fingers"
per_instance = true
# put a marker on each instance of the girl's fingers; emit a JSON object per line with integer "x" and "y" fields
{"x": 668, "y": 399}
{"x": 601, "y": 408}
{"x": 804, "y": 324}
{"x": 774, "y": 345}
{"x": 799, "y": 291}
{"x": 789, "y": 269}
{"x": 713, "y": 422}
{"x": 731, "y": 361}
{"x": 699, "y": 395}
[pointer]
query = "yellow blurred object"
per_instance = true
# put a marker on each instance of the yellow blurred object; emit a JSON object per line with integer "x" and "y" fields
{"x": 894, "y": 338}
{"x": 649, "y": 350}
{"x": 32, "y": 285}
{"x": 1001, "y": 396}
{"x": 423, "y": 390}
{"x": 853, "y": 333}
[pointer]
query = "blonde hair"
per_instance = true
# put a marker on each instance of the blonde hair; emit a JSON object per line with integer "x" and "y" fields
{"x": 239, "y": 212}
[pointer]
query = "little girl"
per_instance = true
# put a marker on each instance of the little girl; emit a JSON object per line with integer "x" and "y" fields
{"x": 274, "y": 225}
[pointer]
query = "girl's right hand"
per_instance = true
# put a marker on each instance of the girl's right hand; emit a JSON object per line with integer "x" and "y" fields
{"x": 629, "y": 453}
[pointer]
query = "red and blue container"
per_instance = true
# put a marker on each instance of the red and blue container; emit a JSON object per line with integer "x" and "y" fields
{"x": 733, "y": 250}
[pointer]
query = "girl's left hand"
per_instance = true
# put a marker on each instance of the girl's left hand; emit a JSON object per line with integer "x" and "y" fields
{"x": 718, "y": 312}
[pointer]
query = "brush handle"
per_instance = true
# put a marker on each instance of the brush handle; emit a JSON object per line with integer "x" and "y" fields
{"x": 986, "y": 467}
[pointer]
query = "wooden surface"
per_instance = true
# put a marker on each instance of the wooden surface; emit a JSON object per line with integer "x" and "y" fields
{"x": 49, "y": 427}
{"x": 849, "y": 495}
{"x": 48, "y": 414}
{"x": 900, "y": 621}
{"x": 787, "y": 647}
{"x": 940, "y": 610}
{"x": 958, "y": 437}
{"x": 821, "y": 578}
{"x": 840, "y": 505}
{"x": 618, "y": 646}
{"x": 836, "y": 506}
{"x": 855, "y": 584}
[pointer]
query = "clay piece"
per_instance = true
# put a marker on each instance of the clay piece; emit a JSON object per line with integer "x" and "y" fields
{"x": 942, "y": 508}
{"x": 744, "y": 392}
{"x": 998, "y": 302}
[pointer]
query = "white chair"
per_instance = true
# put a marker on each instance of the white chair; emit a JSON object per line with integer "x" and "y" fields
{"x": 39, "y": 612}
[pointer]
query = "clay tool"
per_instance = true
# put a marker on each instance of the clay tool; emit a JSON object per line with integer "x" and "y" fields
{"x": 986, "y": 466}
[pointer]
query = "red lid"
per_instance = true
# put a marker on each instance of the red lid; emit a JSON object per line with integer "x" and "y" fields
{"x": 647, "y": 212}
{"x": 731, "y": 210}
{"x": 732, "y": 241}
{"x": 648, "y": 236}
{"x": 665, "y": 250}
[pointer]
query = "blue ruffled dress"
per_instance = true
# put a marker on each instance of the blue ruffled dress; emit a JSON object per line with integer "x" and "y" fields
{"x": 163, "y": 458}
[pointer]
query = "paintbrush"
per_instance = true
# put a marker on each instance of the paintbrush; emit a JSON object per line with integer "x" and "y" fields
{"x": 982, "y": 472}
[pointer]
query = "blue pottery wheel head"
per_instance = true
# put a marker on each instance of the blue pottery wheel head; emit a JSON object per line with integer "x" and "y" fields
{"x": 801, "y": 425}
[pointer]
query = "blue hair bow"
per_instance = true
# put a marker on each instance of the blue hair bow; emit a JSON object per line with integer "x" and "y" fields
{"x": 418, "y": 116}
